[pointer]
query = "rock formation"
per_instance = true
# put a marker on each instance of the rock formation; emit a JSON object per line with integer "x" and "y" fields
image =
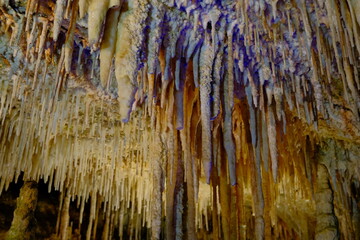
{"x": 185, "y": 119}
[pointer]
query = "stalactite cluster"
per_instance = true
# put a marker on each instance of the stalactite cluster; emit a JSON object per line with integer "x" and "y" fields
{"x": 193, "y": 119}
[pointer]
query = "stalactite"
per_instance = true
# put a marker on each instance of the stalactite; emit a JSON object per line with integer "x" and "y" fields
{"x": 228, "y": 105}
{"x": 170, "y": 188}
{"x": 225, "y": 200}
{"x": 64, "y": 224}
{"x": 271, "y": 125}
{"x": 107, "y": 47}
{"x": 91, "y": 217}
{"x": 258, "y": 200}
{"x": 69, "y": 48}
{"x": 41, "y": 48}
{"x": 156, "y": 203}
{"x": 206, "y": 57}
{"x": 96, "y": 14}
{"x": 58, "y": 18}
{"x": 106, "y": 230}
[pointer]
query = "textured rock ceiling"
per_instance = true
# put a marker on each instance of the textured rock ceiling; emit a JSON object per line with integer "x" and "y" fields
{"x": 216, "y": 117}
